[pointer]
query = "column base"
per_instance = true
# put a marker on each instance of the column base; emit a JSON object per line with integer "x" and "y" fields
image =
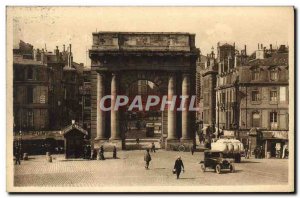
{"x": 187, "y": 143}
{"x": 100, "y": 139}
{"x": 108, "y": 145}
{"x": 172, "y": 144}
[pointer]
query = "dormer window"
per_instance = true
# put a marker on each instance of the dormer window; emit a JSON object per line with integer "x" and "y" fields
{"x": 256, "y": 74}
{"x": 29, "y": 73}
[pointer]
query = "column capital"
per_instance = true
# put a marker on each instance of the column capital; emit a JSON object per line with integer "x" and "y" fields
{"x": 187, "y": 74}
{"x": 101, "y": 73}
{"x": 115, "y": 74}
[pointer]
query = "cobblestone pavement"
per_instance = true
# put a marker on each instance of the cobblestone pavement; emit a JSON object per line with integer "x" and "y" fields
{"x": 129, "y": 170}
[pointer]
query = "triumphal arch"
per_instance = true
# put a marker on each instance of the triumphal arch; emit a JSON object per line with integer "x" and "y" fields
{"x": 121, "y": 58}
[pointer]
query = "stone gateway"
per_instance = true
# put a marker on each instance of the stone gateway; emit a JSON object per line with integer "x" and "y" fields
{"x": 122, "y": 58}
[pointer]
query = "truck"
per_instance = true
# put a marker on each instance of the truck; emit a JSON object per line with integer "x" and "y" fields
{"x": 231, "y": 148}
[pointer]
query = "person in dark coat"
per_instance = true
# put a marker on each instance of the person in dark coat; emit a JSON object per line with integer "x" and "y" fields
{"x": 101, "y": 153}
{"x": 192, "y": 150}
{"x": 115, "y": 153}
{"x": 17, "y": 155}
{"x": 153, "y": 147}
{"x": 178, "y": 165}
{"x": 147, "y": 159}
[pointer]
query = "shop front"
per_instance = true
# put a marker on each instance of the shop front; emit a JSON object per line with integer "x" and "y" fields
{"x": 275, "y": 144}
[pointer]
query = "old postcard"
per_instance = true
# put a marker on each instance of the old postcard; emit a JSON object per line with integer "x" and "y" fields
{"x": 150, "y": 99}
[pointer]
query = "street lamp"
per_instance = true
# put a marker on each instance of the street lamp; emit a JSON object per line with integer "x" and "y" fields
{"x": 20, "y": 142}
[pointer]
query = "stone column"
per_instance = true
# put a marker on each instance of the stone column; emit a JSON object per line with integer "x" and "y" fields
{"x": 114, "y": 116}
{"x": 171, "y": 113}
{"x": 185, "y": 112}
{"x": 100, "y": 112}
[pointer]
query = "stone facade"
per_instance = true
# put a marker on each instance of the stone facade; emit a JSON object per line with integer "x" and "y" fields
{"x": 121, "y": 58}
{"x": 254, "y": 94}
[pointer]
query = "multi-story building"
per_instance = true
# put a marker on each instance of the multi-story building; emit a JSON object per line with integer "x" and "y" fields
{"x": 85, "y": 92}
{"x": 252, "y": 92}
{"x": 42, "y": 88}
{"x": 209, "y": 79}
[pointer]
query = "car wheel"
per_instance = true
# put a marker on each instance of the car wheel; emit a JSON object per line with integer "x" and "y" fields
{"x": 218, "y": 168}
{"x": 232, "y": 168}
{"x": 202, "y": 167}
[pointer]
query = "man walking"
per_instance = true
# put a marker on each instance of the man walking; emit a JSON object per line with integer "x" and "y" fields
{"x": 153, "y": 147}
{"x": 178, "y": 165}
{"x": 147, "y": 159}
{"x": 115, "y": 153}
{"x": 18, "y": 155}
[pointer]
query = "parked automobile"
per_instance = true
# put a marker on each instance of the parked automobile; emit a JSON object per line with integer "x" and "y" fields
{"x": 215, "y": 160}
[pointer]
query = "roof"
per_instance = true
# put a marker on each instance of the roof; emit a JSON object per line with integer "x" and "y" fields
{"x": 74, "y": 126}
{"x": 277, "y": 59}
{"x": 18, "y": 59}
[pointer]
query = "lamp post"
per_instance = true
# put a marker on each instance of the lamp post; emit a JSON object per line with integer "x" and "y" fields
{"x": 20, "y": 143}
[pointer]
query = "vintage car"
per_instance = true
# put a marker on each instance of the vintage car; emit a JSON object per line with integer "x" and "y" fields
{"x": 215, "y": 160}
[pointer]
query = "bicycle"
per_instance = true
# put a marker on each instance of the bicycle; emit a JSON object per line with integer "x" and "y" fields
{"x": 181, "y": 148}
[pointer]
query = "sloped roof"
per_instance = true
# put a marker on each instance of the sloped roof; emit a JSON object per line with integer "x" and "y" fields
{"x": 278, "y": 59}
{"x": 18, "y": 59}
{"x": 74, "y": 126}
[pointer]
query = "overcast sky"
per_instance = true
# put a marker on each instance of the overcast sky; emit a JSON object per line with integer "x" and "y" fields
{"x": 64, "y": 25}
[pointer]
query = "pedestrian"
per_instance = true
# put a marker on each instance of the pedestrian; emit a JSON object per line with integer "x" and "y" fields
{"x": 192, "y": 150}
{"x": 256, "y": 152}
{"x": 17, "y": 155}
{"x": 94, "y": 154}
{"x": 101, "y": 153}
{"x": 85, "y": 153}
{"x": 147, "y": 158}
{"x": 115, "y": 152}
{"x": 153, "y": 147}
{"x": 177, "y": 166}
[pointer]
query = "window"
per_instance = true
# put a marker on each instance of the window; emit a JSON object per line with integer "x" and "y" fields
{"x": 29, "y": 95}
{"x": 273, "y": 120}
{"x": 282, "y": 94}
{"x": 87, "y": 101}
{"x": 30, "y": 118}
{"x": 273, "y": 95}
{"x": 255, "y": 74}
{"x": 29, "y": 73}
{"x": 255, "y": 95}
{"x": 255, "y": 119}
{"x": 273, "y": 75}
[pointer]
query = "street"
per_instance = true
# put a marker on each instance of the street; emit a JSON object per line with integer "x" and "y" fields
{"x": 129, "y": 170}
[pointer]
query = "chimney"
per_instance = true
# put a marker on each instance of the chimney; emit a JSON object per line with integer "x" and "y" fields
{"x": 43, "y": 57}
{"x": 257, "y": 45}
{"x": 271, "y": 48}
{"x": 70, "y": 58}
{"x": 64, "y": 48}
{"x": 34, "y": 54}
{"x": 261, "y": 46}
{"x": 57, "y": 51}
{"x": 245, "y": 50}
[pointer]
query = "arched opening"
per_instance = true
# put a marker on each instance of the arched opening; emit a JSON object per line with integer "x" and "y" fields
{"x": 142, "y": 125}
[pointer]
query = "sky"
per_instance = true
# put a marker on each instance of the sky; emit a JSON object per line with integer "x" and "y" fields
{"x": 55, "y": 26}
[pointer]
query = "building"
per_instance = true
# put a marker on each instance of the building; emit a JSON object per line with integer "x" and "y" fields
{"x": 41, "y": 95}
{"x": 121, "y": 58}
{"x": 252, "y": 93}
{"x": 209, "y": 80}
{"x": 85, "y": 92}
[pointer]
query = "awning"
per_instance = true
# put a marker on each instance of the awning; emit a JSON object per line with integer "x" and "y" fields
{"x": 283, "y": 135}
{"x": 204, "y": 129}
